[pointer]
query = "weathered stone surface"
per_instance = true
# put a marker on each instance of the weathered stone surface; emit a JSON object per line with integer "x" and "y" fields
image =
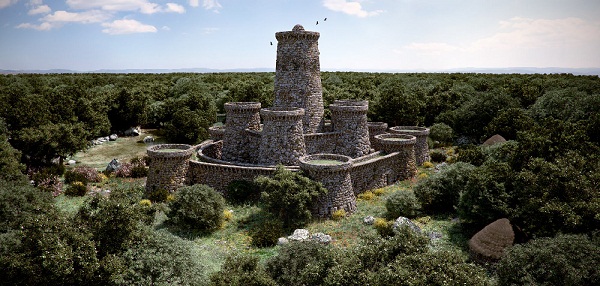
{"x": 299, "y": 235}
{"x": 71, "y": 162}
{"x": 321, "y": 238}
{"x": 148, "y": 139}
{"x": 403, "y": 221}
{"x": 168, "y": 166}
{"x": 489, "y": 244}
{"x": 133, "y": 131}
{"x": 113, "y": 137}
{"x": 421, "y": 147}
{"x": 369, "y": 220}
{"x": 113, "y": 166}
{"x": 282, "y": 241}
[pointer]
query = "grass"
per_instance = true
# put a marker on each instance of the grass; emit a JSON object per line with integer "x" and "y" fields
{"x": 326, "y": 162}
{"x": 123, "y": 149}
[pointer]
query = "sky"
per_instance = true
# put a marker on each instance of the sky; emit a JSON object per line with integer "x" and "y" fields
{"x": 89, "y": 35}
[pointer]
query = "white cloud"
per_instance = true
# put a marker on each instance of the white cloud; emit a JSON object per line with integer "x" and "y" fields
{"x": 165, "y": 28}
{"x": 207, "y": 31}
{"x": 143, "y": 6}
{"x": 353, "y": 8}
{"x": 127, "y": 26}
{"x": 6, "y": 3}
{"x": 43, "y": 9}
{"x": 194, "y": 3}
{"x": 92, "y": 16}
{"x": 41, "y": 27}
{"x": 172, "y": 7}
{"x": 211, "y": 5}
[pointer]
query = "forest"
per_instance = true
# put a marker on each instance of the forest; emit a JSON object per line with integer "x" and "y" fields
{"x": 545, "y": 179}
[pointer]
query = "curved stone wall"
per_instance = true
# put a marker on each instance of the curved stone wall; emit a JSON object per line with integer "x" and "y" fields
{"x": 404, "y": 166}
{"x": 240, "y": 116}
{"x": 282, "y": 140}
{"x": 333, "y": 171}
{"x": 298, "y": 76}
{"x": 349, "y": 118}
{"x": 168, "y": 166}
{"x": 376, "y": 128}
{"x": 216, "y": 133}
{"x": 421, "y": 147}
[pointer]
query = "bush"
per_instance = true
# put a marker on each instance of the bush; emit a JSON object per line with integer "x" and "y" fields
{"x": 157, "y": 195}
{"x": 51, "y": 184}
{"x": 440, "y": 192}
{"x": 241, "y": 269}
{"x": 266, "y": 231}
{"x": 138, "y": 171}
{"x": 301, "y": 263}
{"x": 366, "y": 196}
{"x": 18, "y": 201}
{"x": 161, "y": 259}
{"x": 562, "y": 260}
{"x": 198, "y": 207}
{"x": 442, "y": 134}
{"x": 384, "y": 227}
{"x": 471, "y": 154}
{"x": 289, "y": 196}
{"x": 402, "y": 203}
{"x": 76, "y": 189}
{"x": 84, "y": 174}
{"x": 438, "y": 156}
{"x": 240, "y": 192}
{"x": 338, "y": 214}
{"x": 124, "y": 170}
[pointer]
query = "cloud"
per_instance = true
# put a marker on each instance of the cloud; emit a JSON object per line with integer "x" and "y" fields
{"x": 194, "y": 3}
{"x": 41, "y": 27}
{"x": 143, "y": 6}
{"x": 43, "y": 9}
{"x": 92, "y": 16}
{"x": 207, "y": 31}
{"x": 127, "y": 26}
{"x": 211, "y": 5}
{"x": 353, "y": 8}
{"x": 6, "y": 3}
{"x": 172, "y": 7}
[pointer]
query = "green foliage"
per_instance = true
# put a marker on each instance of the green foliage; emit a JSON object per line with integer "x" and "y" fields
{"x": 10, "y": 167}
{"x": 161, "y": 259}
{"x": 198, "y": 207}
{"x": 508, "y": 123}
{"x": 442, "y": 134}
{"x": 438, "y": 156}
{"x": 18, "y": 201}
{"x": 289, "y": 196}
{"x": 301, "y": 263}
{"x": 562, "y": 260}
{"x": 84, "y": 174}
{"x": 402, "y": 203}
{"x": 471, "y": 154}
{"x": 440, "y": 192}
{"x": 266, "y": 231}
{"x": 241, "y": 269}
{"x": 240, "y": 192}
{"x": 384, "y": 227}
{"x": 158, "y": 195}
{"x": 397, "y": 106}
{"x": 76, "y": 189}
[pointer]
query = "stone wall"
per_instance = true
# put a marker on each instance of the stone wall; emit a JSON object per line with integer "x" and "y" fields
{"x": 282, "y": 140}
{"x": 349, "y": 118}
{"x": 320, "y": 142}
{"x": 376, "y": 128}
{"x": 216, "y": 133}
{"x": 298, "y": 76}
{"x": 240, "y": 116}
{"x": 421, "y": 147}
{"x": 404, "y": 165}
{"x": 372, "y": 172}
{"x": 219, "y": 176}
{"x": 333, "y": 171}
{"x": 168, "y": 168}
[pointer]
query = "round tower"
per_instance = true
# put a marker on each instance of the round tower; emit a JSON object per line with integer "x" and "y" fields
{"x": 298, "y": 76}
{"x": 333, "y": 171}
{"x": 405, "y": 166}
{"x": 349, "y": 117}
{"x": 240, "y": 115}
{"x": 282, "y": 140}
{"x": 421, "y": 148}
{"x": 168, "y": 166}
{"x": 375, "y": 128}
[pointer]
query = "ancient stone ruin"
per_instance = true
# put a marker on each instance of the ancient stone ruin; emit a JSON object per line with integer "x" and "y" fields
{"x": 348, "y": 154}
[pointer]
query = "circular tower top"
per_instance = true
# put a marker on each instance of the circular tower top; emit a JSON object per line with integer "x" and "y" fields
{"x": 298, "y": 27}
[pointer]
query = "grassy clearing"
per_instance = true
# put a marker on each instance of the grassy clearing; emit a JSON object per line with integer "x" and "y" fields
{"x": 123, "y": 149}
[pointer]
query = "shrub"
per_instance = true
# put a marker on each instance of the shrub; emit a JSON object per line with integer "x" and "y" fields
{"x": 440, "y": 192}
{"x": 471, "y": 154}
{"x": 228, "y": 215}
{"x": 338, "y": 214}
{"x": 18, "y": 201}
{"x": 427, "y": 165}
{"x": 438, "y": 156}
{"x": 383, "y": 227}
{"x": 197, "y": 207}
{"x": 266, "y": 231}
{"x": 240, "y": 192}
{"x": 441, "y": 133}
{"x": 562, "y": 260}
{"x": 301, "y": 263}
{"x": 82, "y": 173}
{"x": 51, "y": 184}
{"x": 379, "y": 192}
{"x": 377, "y": 251}
{"x": 402, "y": 203}
{"x": 161, "y": 259}
{"x": 146, "y": 203}
{"x": 158, "y": 195}
{"x": 289, "y": 196}
{"x": 139, "y": 171}
{"x": 76, "y": 189}
{"x": 366, "y": 196}
{"x": 241, "y": 269}
{"x": 124, "y": 170}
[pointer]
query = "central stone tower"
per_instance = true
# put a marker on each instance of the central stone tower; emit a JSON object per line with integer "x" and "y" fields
{"x": 298, "y": 76}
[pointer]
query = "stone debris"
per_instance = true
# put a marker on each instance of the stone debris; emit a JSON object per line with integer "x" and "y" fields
{"x": 304, "y": 235}
{"x": 148, "y": 139}
{"x": 369, "y": 220}
{"x": 299, "y": 234}
{"x": 113, "y": 166}
{"x": 403, "y": 221}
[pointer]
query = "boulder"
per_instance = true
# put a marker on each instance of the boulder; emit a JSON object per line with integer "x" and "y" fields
{"x": 71, "y": 162}
{"x": 401, "y": 221}
{"x": 369, "y": 220}
{"x": 113, "y": 137}
{"x": 113, "y": 166}
{"x": 488, "y": 244}
{"x": 282, "y": 241}
{"x": 321, "y": 238}
{"x": 133, "y": 131}
{"x": 148, "y": 139}
{"x": 299, "y": 235}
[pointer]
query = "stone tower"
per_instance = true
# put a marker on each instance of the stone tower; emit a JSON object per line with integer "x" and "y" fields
{"x": 240, "y": 116}
{"x": 349, "y": 117}
{"x": 282, "y": 141}
{"x": 298, "y": 76}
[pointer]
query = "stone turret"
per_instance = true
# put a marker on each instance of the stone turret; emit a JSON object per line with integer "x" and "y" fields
{"x": 404, "y": 166}
{"x": 333, "y": 171}
{"x": 298, "y": 76}
{"x": 349, "y": 118}
{"x": 421, "y": 147}
{"x": 168, "y": 166}
{"x": 282, "y": 140}
{"x": 240, "y": 116}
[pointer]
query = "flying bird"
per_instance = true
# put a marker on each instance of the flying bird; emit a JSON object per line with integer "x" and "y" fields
{"x": 317, "y": 22}
{"x": 325, "y": 19}
{"x": 271, "y": 43}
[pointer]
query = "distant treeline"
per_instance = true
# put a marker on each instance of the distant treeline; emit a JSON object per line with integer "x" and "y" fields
{"x": 50, "y": 115}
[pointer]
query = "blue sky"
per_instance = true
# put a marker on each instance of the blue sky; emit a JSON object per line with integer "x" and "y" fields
{"x": 87, "y": 35}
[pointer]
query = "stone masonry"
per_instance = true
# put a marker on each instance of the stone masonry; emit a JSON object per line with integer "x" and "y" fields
{"x": 282, "y": 139}
{"x": 168, "y": 166}
{"x": 349, "y": 118}
{"x": 421, "y": 147}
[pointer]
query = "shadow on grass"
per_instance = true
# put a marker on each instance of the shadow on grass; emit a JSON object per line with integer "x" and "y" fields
{"x": 185, "y": 232}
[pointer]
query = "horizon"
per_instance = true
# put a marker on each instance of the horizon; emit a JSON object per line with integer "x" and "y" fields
{"x": 358, "y": 35}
